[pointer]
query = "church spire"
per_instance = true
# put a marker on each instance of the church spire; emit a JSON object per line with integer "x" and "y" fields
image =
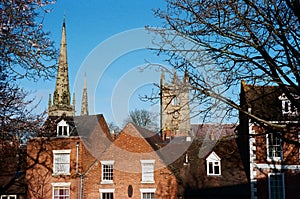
{"x": 61, "y": 99}
{"x": 84, "y": 104}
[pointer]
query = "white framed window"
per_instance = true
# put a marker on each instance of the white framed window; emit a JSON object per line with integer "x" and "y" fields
{"x": 147, "y": 193}
{"x": 106, "y": 193}
{"x": 61, "y": 162}
{"x": 287, "y": 107}
{"x": 276, "y": 186}
{"x": 61, "y": 190}
{"x": 274, "y": 147}
{"x": 147, "y": 171}
{"x": 213, "y": 164}
{"x": 63, "y": 129}
{"x": 107, "y": 175}
{"x": 8, "y": 196}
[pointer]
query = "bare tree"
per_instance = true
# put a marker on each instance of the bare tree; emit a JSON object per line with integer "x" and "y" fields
{"x": 114, "y": 128}
{"x": 221, "y": 43}
{"x": 25, "y": 52}
{"x": 143, "y": 118}
{"x": 25, "y": 49}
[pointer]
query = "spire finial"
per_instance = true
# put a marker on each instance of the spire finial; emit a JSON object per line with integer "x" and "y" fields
{"x": 84, "y": 81}
{"x": 64, "y": 19}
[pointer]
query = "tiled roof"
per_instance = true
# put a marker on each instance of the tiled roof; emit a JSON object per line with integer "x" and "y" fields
{"x": 82, "y": 126}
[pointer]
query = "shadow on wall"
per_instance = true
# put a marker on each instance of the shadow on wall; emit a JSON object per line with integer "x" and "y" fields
{"x": 228, "y": 192}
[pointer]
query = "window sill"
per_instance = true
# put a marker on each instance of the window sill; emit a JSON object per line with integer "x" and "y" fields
{"x": 61, "y": 174}
{"x": 275, "y": 159}
{"x": 214, "y": 175}
{"x": 148, "y": 182}
{"x": 107, "y": 182}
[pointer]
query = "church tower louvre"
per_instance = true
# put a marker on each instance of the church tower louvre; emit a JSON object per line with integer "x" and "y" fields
{"x": 61, "y": 97}
{"x": 175, "y": 108}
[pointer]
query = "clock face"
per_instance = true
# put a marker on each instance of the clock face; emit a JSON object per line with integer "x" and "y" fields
{"x": 176, "y": 115}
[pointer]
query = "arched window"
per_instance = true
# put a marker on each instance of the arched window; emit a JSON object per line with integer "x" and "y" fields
{"x": 175, "y": 101}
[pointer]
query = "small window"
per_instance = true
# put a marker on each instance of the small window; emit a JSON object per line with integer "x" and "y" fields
{"x": 213, "y": 164}
{"x": 147, "y": 193}
{"x": 274, "y": 148}
{"x": 61, "y": 162}
{"x": 287, "y": 107}
{"x": 276, "y": 186}
{"x": 63, "y": 129}
{"x": 8, "y": 197}
{"x": 147, "y": 171}
{"x": 106, "y": 193}
{"x": 61, "y": 190}
{"x": 175, "y": 101}
{"x": 107, "y": 171}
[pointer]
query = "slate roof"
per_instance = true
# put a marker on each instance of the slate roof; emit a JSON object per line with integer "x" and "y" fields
{"x": 192, "y": 176}
{"x": 83, "y": 126}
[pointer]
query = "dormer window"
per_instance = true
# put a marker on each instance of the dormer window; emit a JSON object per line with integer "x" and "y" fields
{"x": 213, "y": 164}
{"x": 287, "y": 107}
{"x": 63, "y": 129}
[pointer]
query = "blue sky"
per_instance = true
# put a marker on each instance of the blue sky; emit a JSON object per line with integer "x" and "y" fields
{"x": 105, "y": 40}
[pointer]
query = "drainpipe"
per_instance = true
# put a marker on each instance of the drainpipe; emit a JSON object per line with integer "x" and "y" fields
{"x": 81, "y": 186}
{"x": 77, "y": 154}
{"x": 77, "y": 171}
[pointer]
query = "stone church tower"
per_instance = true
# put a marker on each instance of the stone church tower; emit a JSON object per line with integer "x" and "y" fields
{"x": 61, "y": 98}
{"x": 175, "y": 108}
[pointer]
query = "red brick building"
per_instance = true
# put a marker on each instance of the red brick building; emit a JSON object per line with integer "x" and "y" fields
{"x": 74, "y": 166}
{"x": 59, "y": 157}
{"x": 130, "y": 168}
{"x": 273, "y": 155}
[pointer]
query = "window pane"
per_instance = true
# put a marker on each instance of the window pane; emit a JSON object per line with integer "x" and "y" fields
{"x": 148, "y": 172}
{"x": 65, "y": 130}
{"x": 62, "y": 163}
{"x": 210, "y": 168}
{"x": 286, "y": 106}
{"x": 276, "y": 186}
{"x": 107, "y": 172}
{"x": 274, "y": 148}
{"x": 148, "y": 195}
{"x": 60, "y": 130}
{"x": 217, "y": 168}
{"x": 107, "y": 195}
{"x": 61, "y": 192}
